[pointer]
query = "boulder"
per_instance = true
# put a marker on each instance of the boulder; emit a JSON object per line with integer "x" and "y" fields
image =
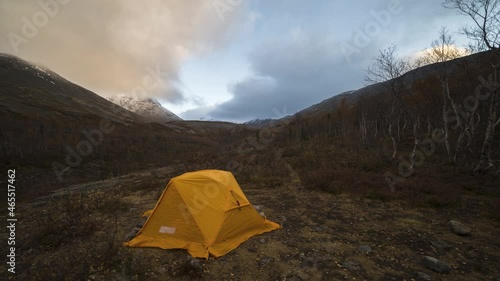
{"x": 424, "y": 277}
{"x": 436, "y": 265}
{"x": 459, "y": 228}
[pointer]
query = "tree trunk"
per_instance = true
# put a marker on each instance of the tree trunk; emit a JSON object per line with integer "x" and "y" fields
{"x": 485, "y": 162}
{"x": 415, "y": 146}
{"x": 445, "y": 126}
{"x": 452, "y": 103}
{"x": 394, "y": 143}
{"x": 447, "y": 100}
{"x": 393, "y": 139}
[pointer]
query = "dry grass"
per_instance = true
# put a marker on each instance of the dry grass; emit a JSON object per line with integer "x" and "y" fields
{"x": 78, "y": 236}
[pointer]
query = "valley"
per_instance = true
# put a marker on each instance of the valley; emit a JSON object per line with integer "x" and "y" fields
{"x": 367, "y": 184}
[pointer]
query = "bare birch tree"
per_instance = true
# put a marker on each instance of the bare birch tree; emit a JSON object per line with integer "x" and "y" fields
{"x": 485, "y": 33}
{"x": 485, "y": 30}
{"x": 387, "y": 67}
{"x": 442, "y": 50}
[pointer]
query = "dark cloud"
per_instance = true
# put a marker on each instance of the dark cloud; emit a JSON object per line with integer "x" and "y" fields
{"x": 289, "y": 76}
{"x": 307, "y": 64}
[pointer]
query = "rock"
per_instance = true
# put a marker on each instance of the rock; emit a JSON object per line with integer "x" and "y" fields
{"x": 441, "y": 244}
{"x": 196, "y": 264}
{"x": 302, "y": 255}
{"x": 436, "y": 265}
{"x": 303, "y": 275}
{"x": 317, "y": 229}
{"x": 459, "y": 228}
{"x": 365, "y": 249}
{"x": 424, "y": 277}
{"x": 352, "y": 265}
{"x": 262, "y": 240}
{"x": 265, "y": 261}
{"x": 132, "y": 234}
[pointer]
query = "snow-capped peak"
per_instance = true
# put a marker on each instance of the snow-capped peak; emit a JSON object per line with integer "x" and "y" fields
{"x": 147, "y": 107}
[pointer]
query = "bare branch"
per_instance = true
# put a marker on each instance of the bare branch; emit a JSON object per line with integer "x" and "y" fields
{"x": 386, "y": 66}
{"x": 498, "y": 122}
{"x": 442, "y": 49}
{"x": 485, "y": 14}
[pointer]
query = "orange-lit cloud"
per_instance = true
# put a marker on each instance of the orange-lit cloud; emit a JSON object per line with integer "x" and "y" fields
{"x": 112, "y": 47}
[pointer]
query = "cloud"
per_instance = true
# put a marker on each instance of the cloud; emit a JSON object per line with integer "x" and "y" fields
{"x": 199, "y": 113}
{"x": 110, "y": 46}
{"x": 304, "y": 64}
{"x": 289, "y": 75}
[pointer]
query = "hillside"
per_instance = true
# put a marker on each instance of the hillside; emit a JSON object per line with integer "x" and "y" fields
{"x": 149, "y": 108}
{"x": 348, "y": 207}
{"x": 413, "y": 109}
{"x": 35, "y": 92}
{"x": 60, "y": 133}
{"x": 465, "y": 70}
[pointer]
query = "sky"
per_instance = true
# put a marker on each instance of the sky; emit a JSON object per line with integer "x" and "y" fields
{"x": 227, "y": 60}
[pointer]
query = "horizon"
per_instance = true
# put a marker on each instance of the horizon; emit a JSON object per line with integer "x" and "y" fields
{"x": 241, "y": 61}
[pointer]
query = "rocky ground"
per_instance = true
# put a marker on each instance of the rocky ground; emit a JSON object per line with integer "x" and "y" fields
{"x": 76, "y": 234}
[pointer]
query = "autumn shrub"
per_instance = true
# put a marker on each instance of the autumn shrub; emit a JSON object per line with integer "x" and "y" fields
{"x": 323, "y": 178}
{"x": 79, "y": 233}
{"x": 425, "y": 191}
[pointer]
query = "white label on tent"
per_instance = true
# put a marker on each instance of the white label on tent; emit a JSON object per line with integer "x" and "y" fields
{"x": 167, "y": 229}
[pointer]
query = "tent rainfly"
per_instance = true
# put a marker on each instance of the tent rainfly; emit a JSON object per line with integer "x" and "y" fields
{"x": 204, "y": 212}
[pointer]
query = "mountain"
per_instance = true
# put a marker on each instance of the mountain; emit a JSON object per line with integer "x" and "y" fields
{"x": 32, "y": 91}
{"x": 267, "y": 123}
{"x": 58, "y": 132}
{"x": 148, "y": 108}
{"x": 260, "y": 123}
{"x": 450, "y": 106}
{"x": 48, "y": 123}
{"x": 322, "y": 174}
{"x": 421, "y": 81}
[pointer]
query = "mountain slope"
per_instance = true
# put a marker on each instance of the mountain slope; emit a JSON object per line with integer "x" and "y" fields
{"x": 148, "y": 108}
{"x": 59, "y": 132}
{"x": 465, "y": 70}
{"x": 33, "y": 91}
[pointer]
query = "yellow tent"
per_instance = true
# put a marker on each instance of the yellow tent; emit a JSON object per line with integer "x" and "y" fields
{"x": 204, "y": 212}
